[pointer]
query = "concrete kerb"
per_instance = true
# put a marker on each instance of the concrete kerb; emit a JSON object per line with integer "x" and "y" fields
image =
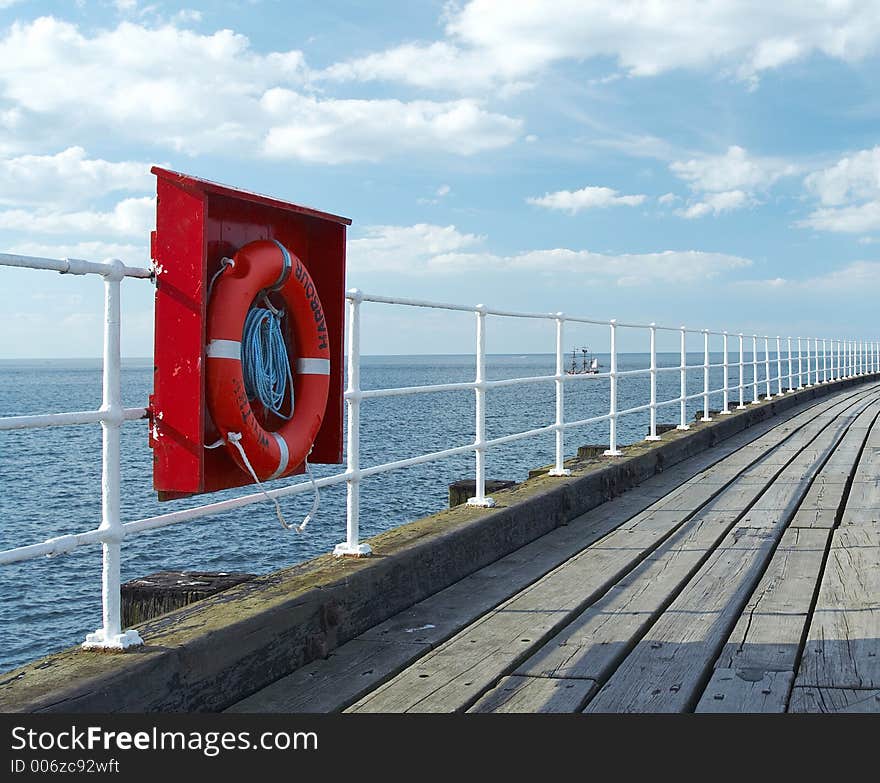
{"x": 211, "y": 654}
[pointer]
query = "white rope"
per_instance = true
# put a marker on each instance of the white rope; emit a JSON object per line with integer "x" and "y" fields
{"x": 235, "y": 439}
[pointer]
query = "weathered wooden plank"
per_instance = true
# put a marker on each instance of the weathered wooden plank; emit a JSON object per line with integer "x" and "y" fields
{"x": 314, "y": 687}
{"x": 768, "y": 634}
{"x": 663, "y": 672}
{"x": 457, "y": 672}
{"x": 746, "y": 691}
{"x": 834, "y": 700}
{"x": 592, "y": 645}
{"x": 813, "y": 518}
{"x": 437, "y": 618}
{"x": 824, "y": 495}
{"x": 843, "y": 642}
{"x": 667, "y": 665}
{"x": 535, "y": 695}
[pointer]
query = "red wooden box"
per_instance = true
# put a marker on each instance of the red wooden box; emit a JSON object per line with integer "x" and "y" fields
{"x": 198, "y": 223}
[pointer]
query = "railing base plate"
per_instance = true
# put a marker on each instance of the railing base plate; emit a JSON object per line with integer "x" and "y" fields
{"x": 344, "y": 550}
{"x": 120, "y": 641}
{"x": 481, "y": 502}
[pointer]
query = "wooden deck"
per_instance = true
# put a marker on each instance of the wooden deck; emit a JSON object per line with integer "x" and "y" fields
{"x": 746, "y": 579}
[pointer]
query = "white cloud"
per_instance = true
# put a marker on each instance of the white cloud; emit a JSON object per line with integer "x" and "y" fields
{"x": 130, "y": 253}
{"x": 338, "y": 131}
{"x": 489, "y": 43}
{"x": 442, "y": 191}
{"x": 736, "y": 169}
{"x": 590, "y": 197}
{"x": 206, "y": 93}
{"x": 853, "y": 177}
{"x": 723, "y": 183}
{"x": 850, "y": 193}
{"x": 853, "y": 278}
{"x": 715, "y": 204}
{"x": 405, "y": 248}
{"x": 131, "y": 217}
{"x": 668, "y": 198}
{"x": 425, "y": 248}
{"x": 68, "y": 177}
{"x": 855, "y": 219}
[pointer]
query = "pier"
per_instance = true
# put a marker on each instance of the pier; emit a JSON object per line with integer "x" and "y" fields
{"x": 729, "y": 568}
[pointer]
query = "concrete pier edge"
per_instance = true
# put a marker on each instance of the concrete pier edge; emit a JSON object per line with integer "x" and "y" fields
{"x": 211, "y": 654}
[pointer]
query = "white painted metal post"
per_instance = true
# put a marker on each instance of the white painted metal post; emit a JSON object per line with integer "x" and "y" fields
{"x": 861, "y": 357}
{"x": 833, "y": 365}
{"x": 352, "y": 547}
{"x": 754, "y": 368}
{"x": 809, "y": 382}
{"x": 800, "y": 365}
{"x": 742, "y": 368}
{"x": 652, "y": 431}
{"x": 480, "y": 498}
{"x": 612, "y": 450}
{"x": 726, "y": 407}
{"x": 111, "y": 636}
{"x": 706, "y": 416}
{"x": 816, "y": 355}
{"x": 683, "y": 425}
{"x": 767, "y": 366}
{"x": 559, "y": 469}
{"x": 778, "y": 366}
{"x": 824, "y": 362}
{"x": 790, "y": 368}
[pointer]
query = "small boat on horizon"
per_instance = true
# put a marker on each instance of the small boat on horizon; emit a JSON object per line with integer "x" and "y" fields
{"x": 589, "y": 363}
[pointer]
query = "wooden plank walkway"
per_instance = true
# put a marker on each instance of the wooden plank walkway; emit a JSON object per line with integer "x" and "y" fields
{"x": 746, "y": 579}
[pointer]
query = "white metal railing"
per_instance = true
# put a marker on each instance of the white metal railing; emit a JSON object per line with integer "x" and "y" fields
{"x": 837, "y": 359}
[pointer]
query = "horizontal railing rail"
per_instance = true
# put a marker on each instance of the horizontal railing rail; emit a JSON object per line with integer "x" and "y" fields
{"x": 815, "y": 361}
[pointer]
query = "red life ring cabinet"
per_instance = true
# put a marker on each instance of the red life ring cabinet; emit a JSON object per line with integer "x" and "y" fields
{"x": 266, "y": 265}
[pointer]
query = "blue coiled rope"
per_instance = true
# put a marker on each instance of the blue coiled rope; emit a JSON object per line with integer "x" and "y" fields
{"x": 265, "y": 363}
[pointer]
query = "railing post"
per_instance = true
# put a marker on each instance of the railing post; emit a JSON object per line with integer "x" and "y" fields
{"x": 683, "y": 425}
{"x": 800, "y": 365}
{"x": 754, "y": 368}
{"x": 824, "y": 361}
{"x": 809, "y": 371}
{"x": 652, "y": 429}
{"x": 111, "y": 636}
{"x": 767, "y": 367}
{"x": 706, "y": 416}
{"x": 612, "y": 450}
{"x": 479, "y": 498}
{"x": 560, "y": 469}
{"x": 831, "y": 359}
{"x": 790, "y": 366}
{"x": 742, "y": 368}
{"x": 352, "y": 547}
{"x": 816, "y": 356}
{"x": 778, "y": 366}
{"x": 726, "y": 407}
{"x": 861, "y": 357}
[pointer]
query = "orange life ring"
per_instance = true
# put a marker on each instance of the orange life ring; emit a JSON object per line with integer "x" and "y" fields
{"x": 266, "y": 265}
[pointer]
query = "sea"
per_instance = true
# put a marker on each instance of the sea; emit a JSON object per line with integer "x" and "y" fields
{"x": 50, "y": 479}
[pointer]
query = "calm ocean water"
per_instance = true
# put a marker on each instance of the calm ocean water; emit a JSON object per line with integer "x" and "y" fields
{"x": 50, "y": 479}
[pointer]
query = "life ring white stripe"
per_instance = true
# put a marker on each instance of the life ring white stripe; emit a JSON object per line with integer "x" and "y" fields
{"x": 283, "y": 459}
{"x": 224, "y": 349}
{"x": 313, "y": 366}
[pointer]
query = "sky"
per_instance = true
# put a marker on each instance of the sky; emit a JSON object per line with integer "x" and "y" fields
{"x": 710, "y": 163}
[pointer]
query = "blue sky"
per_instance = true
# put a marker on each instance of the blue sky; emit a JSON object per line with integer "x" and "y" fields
{"x": 711, "y": 163}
